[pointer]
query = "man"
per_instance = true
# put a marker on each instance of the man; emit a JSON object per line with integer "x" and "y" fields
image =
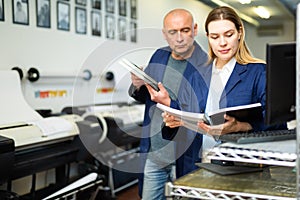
{"x": 172, "y": 66}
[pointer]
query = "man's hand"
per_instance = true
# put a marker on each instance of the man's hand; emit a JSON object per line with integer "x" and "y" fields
{"x": 161, "y": 96}
{"x": 136, "y": 81}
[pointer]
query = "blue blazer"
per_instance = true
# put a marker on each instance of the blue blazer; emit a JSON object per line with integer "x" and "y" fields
{"x": 188, "y": 154}
{"x": 246, "y": 85}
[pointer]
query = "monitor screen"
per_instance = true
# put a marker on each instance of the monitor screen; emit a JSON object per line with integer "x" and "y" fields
{"x": 281, "y": 83}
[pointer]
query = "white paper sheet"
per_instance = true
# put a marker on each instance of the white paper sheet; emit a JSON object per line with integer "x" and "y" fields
{"x": 85, "y": 180}
{"x": 53, "y": 125}
{"x": 13, "y": 106}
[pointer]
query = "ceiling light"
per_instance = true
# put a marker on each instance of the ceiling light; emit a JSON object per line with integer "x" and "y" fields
{"x": 242, "y": 15}
{"x": 245, "y": 1}
{"x": 262, "y": 12}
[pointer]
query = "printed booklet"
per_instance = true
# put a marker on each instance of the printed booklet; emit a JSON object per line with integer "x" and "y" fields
{"x": 244, "y": 113}
{"x": 133, "y": 68}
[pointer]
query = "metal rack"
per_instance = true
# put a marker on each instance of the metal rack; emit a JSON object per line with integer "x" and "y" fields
{"x": 208, "y": 194}
{"x": 277, "y": 154}
{"x": 238, "y": 153}
{"x": 258, "y": 153}
{"x": 276, "y": 183}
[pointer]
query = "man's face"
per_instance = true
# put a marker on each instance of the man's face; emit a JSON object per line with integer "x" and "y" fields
{"x": 179, "y": 31}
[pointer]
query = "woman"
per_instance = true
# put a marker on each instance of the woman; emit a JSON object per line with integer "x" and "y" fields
{"x": 233, "y": 77}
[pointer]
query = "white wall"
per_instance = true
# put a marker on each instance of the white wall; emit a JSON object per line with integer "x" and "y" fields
{"x": 57, "y": 52}
{"x": 258, "y": 44}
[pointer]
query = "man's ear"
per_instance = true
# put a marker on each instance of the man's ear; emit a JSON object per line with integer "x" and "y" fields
{"x": 195, "y": 29}
{"x": 164, "y": 34}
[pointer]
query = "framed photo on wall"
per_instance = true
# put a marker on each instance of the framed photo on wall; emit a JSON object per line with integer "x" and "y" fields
{"x": 96, "y": 4}
{"x": 1, "y": 10}
{"x": 133, "y": 6}
{"x": 96, "y": 20}
{"x": 20, "y": 12}
{"x": 110, "y": 6}
{"x": 80, "y": 14}
{"x": 122, "y": 7}
{"x": 63, "y": 16}
{"x": 122, "y": 29}
{"x": 133, "y": 31}
{"x": 43, "y": 13}
{"x": 110, "y": 26}
{"x": 81, "y": 2}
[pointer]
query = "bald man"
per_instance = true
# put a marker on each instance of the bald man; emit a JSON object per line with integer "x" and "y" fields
{"x": 172, "y": 66}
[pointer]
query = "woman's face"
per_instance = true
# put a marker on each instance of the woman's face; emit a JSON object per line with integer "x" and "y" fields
{"x": 223, "y": 38}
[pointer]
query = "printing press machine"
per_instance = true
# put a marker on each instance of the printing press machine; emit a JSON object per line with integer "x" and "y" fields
{"x": 25, "y": 150}
{"x": 99, "y": 138}
{"x": 31, "y": 143}
{"x": 111, "y": 134}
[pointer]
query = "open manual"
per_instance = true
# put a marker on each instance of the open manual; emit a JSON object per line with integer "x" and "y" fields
{"x": 133, "y": 68}
{"x": 244, "y": 113}
{"x": 53, "y": 125}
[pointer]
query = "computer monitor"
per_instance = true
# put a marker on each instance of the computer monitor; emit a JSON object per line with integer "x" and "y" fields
{"x": 281, "y": 83}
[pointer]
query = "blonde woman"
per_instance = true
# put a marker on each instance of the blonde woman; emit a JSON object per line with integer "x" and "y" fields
{"x": 233, "y": 77}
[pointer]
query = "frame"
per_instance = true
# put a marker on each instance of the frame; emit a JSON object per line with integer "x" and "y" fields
{"x": 96, "y": 4}
{"x": 122, "y": 7}
{"x": 96, "y": 21}
{"x": 122, "y": 29}
{"x": 80, "y": 14}
{"x": 133, "y": 5}
{"x": 110, "y": 26}
{"x": 1, "y": 11}
{"x": 43, "y": 13}
{"x": 133, "y": 27}
{"x": 20, "y": 12}
{"x": 81, "y": 2}
{"x": 63, "y": 16}
{"x": 110, "y": 6}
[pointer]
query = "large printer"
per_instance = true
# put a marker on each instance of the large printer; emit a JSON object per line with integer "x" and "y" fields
{"x": 30, "y": 143}
{"x": 109, "y": 138}
{"x": 111, "y": 133}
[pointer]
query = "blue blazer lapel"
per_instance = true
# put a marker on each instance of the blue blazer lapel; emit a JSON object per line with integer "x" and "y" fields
{"x": 233, "y": 79}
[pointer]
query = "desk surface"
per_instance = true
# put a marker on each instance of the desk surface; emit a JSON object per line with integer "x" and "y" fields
{"x": 272, "y": 181}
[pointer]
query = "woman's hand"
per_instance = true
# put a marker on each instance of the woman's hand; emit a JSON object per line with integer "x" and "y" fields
{"x": 161, "y": 96}
{"x": 231, "y": 125}
{"x": 171, "y": 121}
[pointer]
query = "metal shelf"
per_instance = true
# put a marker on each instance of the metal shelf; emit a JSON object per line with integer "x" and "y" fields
{"x": 257, "y": 156}
{"x": 274, "y": 182}
{"x": 177, "y": 192}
